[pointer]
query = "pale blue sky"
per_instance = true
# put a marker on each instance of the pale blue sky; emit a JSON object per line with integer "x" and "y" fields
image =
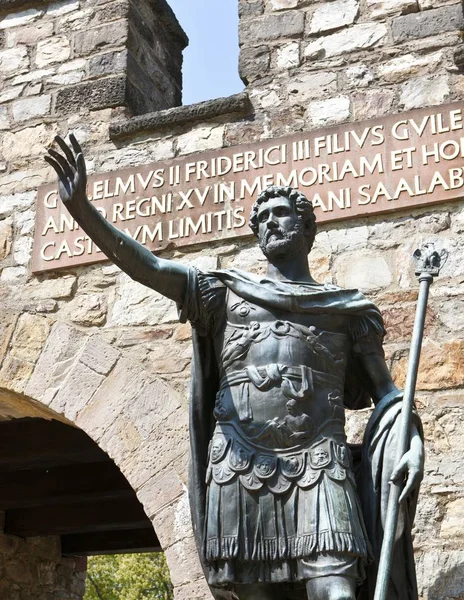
{"x": 211, "y": 59}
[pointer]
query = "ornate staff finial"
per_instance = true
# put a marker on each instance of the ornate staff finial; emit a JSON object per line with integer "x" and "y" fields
{"x": 428, "y": 261}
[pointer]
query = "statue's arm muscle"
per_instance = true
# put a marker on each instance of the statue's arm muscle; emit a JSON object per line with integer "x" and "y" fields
{"x": 379, "y": 381}
{"x": 167, "y": 277}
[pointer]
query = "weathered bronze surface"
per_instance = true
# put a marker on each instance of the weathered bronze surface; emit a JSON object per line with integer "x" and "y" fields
{"x": 394, "y": 163}
{"x": 276, "y": 509}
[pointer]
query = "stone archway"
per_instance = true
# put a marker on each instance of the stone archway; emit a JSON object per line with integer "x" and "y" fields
{"x": 138, "y": 420}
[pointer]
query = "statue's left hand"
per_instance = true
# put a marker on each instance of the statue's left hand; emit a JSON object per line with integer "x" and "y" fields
{"x": 410, "y": 468}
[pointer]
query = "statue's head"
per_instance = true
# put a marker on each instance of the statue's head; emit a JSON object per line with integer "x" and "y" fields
{"x": 292, "y": 406}
{"x": 284, "y": 222}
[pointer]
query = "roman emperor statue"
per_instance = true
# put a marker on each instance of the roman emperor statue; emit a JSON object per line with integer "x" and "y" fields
{"x": 282, "y": 506}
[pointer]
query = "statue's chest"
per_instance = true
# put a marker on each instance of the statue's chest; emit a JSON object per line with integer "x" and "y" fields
{"x": 254, "y": 335}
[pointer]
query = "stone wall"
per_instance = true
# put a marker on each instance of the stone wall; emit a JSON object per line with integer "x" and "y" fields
{"x": 33, "y": 569}
{"x": 307, "y": 65}
{"x": 55, "y": 56}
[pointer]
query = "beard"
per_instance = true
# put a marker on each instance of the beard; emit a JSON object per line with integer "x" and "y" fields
{"x": 278, "y": 244}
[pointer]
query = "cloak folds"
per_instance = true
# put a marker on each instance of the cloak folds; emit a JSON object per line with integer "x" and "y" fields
{"x": 297, "y": 297}
{"x": 373, "y": 475}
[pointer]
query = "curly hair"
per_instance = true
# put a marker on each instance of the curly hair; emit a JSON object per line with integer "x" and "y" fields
{"x": 302, "y": 206}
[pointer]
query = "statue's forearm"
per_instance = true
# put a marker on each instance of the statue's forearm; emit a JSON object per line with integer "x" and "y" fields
{"x": 166, "y": 277}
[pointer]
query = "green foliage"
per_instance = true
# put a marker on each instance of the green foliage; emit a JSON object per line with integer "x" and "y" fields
{"x": 128, "y": 577}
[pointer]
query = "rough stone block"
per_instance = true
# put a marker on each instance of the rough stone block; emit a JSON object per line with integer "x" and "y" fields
{"x": 250, "y": 8}
{"x": 96, "y": 39}
{"x": 166, "y": 443}
{"x": 29, "y": 337}
{"x": 333, "y": 15}
{"x": 173, "y": 524}
{"x": 385, "y": 8}
{"x": 107, "y": 64}
{"x": 58, "y": 356}
{"x": 13, "y": 275}
{"x": 106, "y": 93}
{"x": 29, "y": 35}
{"x": 25, "y": 347}
{"x": 6, "y": 236}
{"x": 98, "y": 355}
{"x": 288, "y": 57}
{"x": 32, "y": 76}
{"x": 16, "y": 202}
{"x": 53, "y": 50}
{"x": 17, "y": 19}
{"x": 22, "y": 250}
{"x": 58, "y": 289}
{"x": 30, "y": 108}
{"x": 76, "y": 391}
{"x": 160, "y": 491}
{"x": 272, "y": 27}
{"x": 309, "y": 86}
{"x": 15, "y": 374}
{"x": 427, "y": 4}
{"x": 138, "y": 305}
{"x": 371, "y": 104}
{"x": 420, "y": 92}
{"x": 183, "y": 562}
{"x": 404, "y": 67}
{"x": 200, "y": 139}
{"x": 427, "y": 23}
{"x": 68, "y": 78}
{"x": 283, "y": 4}
{"x": 7, "y": 325}
{"x": 27, "y": 142}
{"x": 364, "y": 272}
{"x": 198, "y": 590}
{"x": 358, "y": 37}
{"x": 254, "y": 63}
{"x": 359, "y": 76}
{"x": 4, "y": 119}
{"x": 11, "y": 93}
{"x": 13, "y": 60}
{"x": 442, "y": 366}
{"x": 57, "y": 9}
{"x": 88, "y": 310}
{"x": 326, "y": 112}
{"x": 439, "y": 574}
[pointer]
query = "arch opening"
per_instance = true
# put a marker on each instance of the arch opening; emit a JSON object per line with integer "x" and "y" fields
{"x": 62, "y": 499}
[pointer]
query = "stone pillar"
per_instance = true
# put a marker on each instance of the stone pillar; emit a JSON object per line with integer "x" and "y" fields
{"x": 56, "y": 58}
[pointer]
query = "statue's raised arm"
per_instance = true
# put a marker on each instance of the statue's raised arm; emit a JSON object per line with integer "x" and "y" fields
{"x": 165, "y": 276}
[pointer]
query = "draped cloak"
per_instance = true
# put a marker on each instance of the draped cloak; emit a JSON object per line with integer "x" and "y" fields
{"x": 374, "y": 467}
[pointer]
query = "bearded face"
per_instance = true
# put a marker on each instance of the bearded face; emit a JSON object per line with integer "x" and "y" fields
{"x": 277, "y": 244}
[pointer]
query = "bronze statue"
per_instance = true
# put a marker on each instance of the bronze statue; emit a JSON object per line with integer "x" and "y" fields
{"x": 276, "y": 509}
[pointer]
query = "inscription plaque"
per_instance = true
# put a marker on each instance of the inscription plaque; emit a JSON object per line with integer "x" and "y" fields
{"x": 393, "y": 163}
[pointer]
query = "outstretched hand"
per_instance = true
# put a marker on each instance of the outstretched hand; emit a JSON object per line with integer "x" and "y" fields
{"x": 71, "y": 171}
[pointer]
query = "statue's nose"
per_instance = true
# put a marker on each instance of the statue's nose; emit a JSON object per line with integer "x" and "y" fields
{"x": 271, "y": 222}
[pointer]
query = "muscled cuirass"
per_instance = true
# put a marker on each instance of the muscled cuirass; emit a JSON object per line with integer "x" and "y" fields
{"x": 279, "y": 409}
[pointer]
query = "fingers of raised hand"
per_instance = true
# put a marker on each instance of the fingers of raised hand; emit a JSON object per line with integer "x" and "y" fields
{"x": 64, "y": 164}
{"x": 66, "y": 150}
{"x": 75, "y": 144}
{"x": 81, "y": 169}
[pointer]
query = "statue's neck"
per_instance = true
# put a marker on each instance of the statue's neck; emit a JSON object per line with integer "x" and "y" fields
{"x": 295, "y": 269}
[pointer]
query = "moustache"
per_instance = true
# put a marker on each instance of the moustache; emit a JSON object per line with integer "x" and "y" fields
{"x": 278, "y": 233}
